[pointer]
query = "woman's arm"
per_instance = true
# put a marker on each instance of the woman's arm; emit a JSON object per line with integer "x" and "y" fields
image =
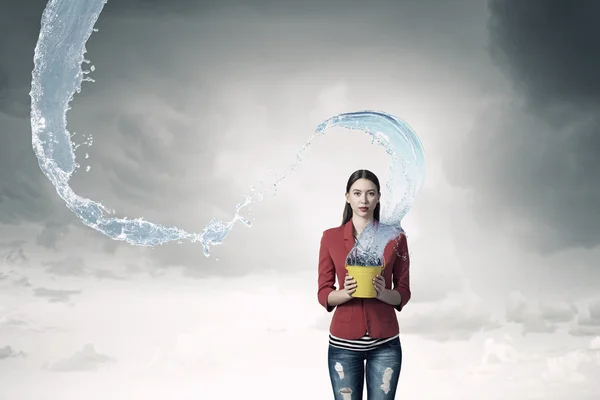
{"x": 400, "y": 294}
{"x": 338, "y": 297}
{"x": 327, "y": 294}
{"x": 401, "y": 276}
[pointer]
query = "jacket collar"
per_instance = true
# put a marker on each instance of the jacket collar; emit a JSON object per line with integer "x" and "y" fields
{"x": 349, "y": 235}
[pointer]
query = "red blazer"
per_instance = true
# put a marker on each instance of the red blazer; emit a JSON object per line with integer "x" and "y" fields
{"x": 354, "y": 318}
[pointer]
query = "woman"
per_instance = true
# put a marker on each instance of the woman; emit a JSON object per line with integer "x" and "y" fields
{"x": 363, "y": 329}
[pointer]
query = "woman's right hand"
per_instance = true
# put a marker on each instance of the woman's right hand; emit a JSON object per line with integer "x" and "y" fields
{"x": 349, "y": 285}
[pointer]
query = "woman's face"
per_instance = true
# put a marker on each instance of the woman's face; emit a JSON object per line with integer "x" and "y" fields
{"x": 363, "y": 197}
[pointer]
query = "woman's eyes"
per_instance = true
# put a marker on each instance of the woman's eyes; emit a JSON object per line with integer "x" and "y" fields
{"x": 371, "y": 194}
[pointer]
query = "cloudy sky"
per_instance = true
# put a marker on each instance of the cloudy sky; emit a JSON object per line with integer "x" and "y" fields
{"x": 194, "y": 101}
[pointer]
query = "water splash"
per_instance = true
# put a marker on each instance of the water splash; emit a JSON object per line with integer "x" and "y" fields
{"x": 371, "y": 243}
{"x": 407, "y": 172}
{"x": 407, "y": 175}
{"x": 66, "y": 26}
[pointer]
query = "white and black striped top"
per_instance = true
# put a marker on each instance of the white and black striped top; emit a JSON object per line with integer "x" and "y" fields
{"x": 365, "y": 343}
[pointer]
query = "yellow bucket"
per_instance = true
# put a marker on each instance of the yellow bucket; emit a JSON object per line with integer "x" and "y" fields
{"x": 364, "y": 280}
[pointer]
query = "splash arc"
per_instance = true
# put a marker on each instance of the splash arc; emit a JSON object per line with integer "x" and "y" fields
{"x": 66, "y": 26}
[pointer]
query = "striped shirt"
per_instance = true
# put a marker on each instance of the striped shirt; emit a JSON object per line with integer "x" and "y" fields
{"x": 365, "y": 343}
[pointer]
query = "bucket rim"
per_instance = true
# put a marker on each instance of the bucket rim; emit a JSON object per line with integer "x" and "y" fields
{"x": 368, "y": 266}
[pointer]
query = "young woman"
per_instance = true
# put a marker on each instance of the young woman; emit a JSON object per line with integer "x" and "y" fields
{"x": 363, "y": 329}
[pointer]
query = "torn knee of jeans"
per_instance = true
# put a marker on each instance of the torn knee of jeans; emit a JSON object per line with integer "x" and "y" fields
{"x": 387, "y": 377}
{"x": 346, "y": 393}
{"x": 339, "y": 369}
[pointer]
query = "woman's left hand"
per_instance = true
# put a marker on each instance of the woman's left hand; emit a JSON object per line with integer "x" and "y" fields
{"x": 379, "y": 284}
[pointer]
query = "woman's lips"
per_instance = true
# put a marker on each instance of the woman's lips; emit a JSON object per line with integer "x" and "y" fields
{"x": 363, "y": 209}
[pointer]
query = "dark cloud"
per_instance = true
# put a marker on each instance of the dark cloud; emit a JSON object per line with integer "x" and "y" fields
{"x": 561, "y": 312}
{"x": 9, "y": 323}
{"x": 538, "y": 317}
{"x": 56, "y": 295}
{"x": 107, "y": 274}
{"x": 51, "y": 234}
{"x": 22, "y": 281}
{"x": 75, "y": 266}
{"x": 15, "y": 325}
{"x": 588, "y": 325}
{"x": 10, "y": 352}
{"x": 25, "y": 193}
{"x": 550, "y": 48}
{"x": 533, "y": 160}
{"x": 71, "y": 266}
{"x": 14, "y": 277}
{"x": 13, "y": 253}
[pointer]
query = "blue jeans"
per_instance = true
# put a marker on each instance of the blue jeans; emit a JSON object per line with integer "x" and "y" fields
{"x": 347, "y": 371}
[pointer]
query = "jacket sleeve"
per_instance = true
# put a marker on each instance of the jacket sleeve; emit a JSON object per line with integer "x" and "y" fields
{"x": 326, "y": 275}
{"x": 400, "y": 276}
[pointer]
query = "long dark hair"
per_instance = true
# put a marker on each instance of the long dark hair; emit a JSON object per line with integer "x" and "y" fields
{"x": 356, "y": 175}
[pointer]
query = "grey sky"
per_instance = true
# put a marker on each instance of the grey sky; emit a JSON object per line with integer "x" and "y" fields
{"x": 160, "y": 126}
{"x": 536, "y": 151}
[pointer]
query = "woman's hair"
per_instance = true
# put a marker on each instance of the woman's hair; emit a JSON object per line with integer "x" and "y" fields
{"x": 356, "y": 175}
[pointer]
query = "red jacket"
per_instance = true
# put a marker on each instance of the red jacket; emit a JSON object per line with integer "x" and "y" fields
{"x": 354, "y": 318}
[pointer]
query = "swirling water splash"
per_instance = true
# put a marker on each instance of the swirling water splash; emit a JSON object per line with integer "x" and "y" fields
{"x": 66, "y": 26}
{"x": 407, "y": 175}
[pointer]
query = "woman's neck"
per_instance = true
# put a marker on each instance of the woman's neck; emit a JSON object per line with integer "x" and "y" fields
{"x": 360, "y": 223}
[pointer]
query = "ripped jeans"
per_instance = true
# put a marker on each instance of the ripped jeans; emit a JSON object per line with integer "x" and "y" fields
{"x": 347, "y": 371}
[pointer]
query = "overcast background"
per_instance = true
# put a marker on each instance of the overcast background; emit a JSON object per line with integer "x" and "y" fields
{"x": 194, "y": 101}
